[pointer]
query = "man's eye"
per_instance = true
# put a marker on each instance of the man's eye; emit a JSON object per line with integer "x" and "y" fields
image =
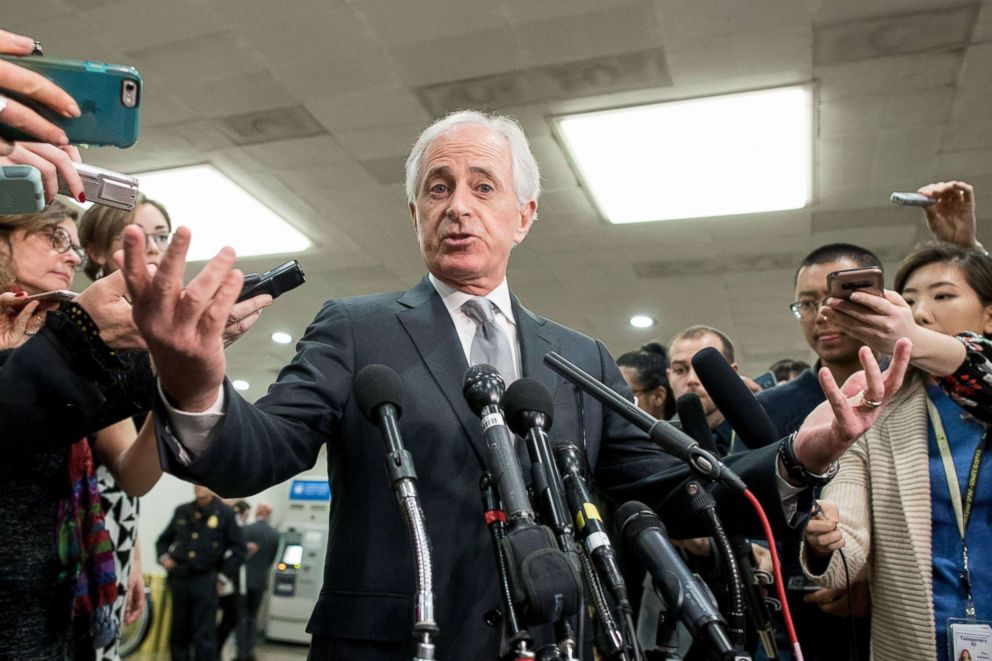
{"x": 439, "y": 189}
{"x": 486, "y": 188}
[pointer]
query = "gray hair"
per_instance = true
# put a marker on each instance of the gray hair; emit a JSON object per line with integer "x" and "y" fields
{"x": 526, "y": 175}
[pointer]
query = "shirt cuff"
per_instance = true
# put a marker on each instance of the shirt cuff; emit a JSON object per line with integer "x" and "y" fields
{"x": 192, "y": 431}
{"x": 789, "y": 494}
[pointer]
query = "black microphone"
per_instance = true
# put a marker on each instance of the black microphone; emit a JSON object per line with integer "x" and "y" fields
{"x": 379, "y": 394}
{"x": 681, "y": 590}
{"x": 734, "y": 399}
{"x": 693, "y": 420}
{"x": 529, "y": 411}
{"x": 590, "y": 526}
{"x": 483, "y": 389}
{"x": 671, "y": 439}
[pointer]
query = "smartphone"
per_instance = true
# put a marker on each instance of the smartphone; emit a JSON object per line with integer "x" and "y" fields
{"x": 21, "y": 190}
{"x": 766, "y": 380}
{"x": 275, "y": 282}
{"x": 109, "y": 96}
{"x": 841, "y": 284}
{"x": 56, "y": 296}
{"x": 912, "y": 199}
{"x": 799, "y": 584}
{"x": 105, "y": 187}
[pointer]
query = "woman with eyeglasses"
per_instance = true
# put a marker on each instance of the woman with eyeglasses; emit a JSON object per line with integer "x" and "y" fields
{"x": 57, "y": 583}
{"x": 915, "y": 492}
{"x": 100, "y": 234}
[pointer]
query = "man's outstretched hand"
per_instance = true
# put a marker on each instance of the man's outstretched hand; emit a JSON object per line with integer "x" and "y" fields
{"x": 850, "y": 410}
{"x": 182, "y": 326}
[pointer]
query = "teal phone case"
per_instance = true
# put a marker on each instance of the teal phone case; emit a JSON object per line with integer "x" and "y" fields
{"x": 98, "y": 88}
{"x": 21, "y": 190}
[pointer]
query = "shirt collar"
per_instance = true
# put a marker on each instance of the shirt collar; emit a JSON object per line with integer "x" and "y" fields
{"x": 454, "y": 298}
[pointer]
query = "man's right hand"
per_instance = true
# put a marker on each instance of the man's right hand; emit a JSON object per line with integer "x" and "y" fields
{"x": 182, "y": 326}
{"x": 167, "y": 562}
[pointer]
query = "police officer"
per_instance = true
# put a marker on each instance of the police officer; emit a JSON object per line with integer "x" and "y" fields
{"x": 192, "y": 549}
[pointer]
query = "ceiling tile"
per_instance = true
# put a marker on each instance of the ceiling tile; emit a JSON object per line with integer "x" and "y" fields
{"x": 369, "y": 108}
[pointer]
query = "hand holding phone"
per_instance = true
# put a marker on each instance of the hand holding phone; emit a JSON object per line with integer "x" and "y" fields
{"x": 822, "y": 532}
{"x": 841, "y": 284}
{"x": 56, "y": 296}
{"x": 21, "y": 190}
{"x": 912, "y": 200}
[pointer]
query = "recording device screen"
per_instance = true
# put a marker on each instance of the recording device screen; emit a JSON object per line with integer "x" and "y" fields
{"x": 292, "y": 554}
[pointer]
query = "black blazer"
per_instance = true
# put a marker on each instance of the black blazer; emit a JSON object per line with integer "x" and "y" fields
{"x": 369, "y": 572}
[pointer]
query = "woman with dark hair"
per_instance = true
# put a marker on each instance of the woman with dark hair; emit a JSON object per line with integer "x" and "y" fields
{"x": 645, "y": 371}
{"x": 913, "y": 491}
{"x": 56, "y": 573}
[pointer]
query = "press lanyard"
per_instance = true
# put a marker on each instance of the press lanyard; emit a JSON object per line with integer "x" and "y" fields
{"x": 961, "y": 512}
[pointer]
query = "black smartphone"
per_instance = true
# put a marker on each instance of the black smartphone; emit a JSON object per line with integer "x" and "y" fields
{"x": 841, "y": 284}
{"x": 275, "y": 282}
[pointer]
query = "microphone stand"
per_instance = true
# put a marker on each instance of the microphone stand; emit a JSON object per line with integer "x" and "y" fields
{"x": 496, "y": 522}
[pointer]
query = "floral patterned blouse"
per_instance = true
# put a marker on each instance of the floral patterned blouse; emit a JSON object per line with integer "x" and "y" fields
{"x": 971, "y": 385}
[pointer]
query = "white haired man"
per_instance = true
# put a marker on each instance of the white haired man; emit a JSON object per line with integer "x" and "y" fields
{"x": 473, "y": 187}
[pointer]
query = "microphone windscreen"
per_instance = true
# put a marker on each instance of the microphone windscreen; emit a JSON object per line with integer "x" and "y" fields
{"x": 482, "y": 386}
{"x": 376, "y": 385}
{"x": 738, "y": 405}
{"x": 527, "y": 395}
{"x": 633, "y": 518}
{"x": 693, "y": 420}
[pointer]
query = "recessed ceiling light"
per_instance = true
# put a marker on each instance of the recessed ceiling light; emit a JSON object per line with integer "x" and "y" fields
{"x": 714, "y": 156}
{"x": 220, "y": 213}
{"x": 280, "y": 337}
{"x": 240, "y": 384}
{"x": 641, "y": 321}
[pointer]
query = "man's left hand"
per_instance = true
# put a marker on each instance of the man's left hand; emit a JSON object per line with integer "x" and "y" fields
{"x": 850, "y": 410}
{"x": 835, "y": 601}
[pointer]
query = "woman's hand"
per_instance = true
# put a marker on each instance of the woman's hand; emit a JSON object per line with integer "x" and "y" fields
{"x": 52, "y": 162}
{"x": 243, "y": 316}
{"x": 135, "y": 601}
{"x": 822, "y": 534}
{"x": 14, "y": 320}
{"x": 878, "y": 321}
{"x": 952, "y": 218}
{"x": 33, "y": 86}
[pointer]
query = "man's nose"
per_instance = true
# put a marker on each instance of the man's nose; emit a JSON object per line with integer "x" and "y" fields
{"x": 459, "y": 204}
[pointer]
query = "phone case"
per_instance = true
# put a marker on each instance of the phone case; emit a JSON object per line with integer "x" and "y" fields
{"x": 21, "y": 190}
{"x": 99, "y": 89}
{"x": 841, "y": 284}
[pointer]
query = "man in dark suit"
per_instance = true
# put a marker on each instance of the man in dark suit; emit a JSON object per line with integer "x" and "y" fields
{"x": 263, "y": 544}
{"x": 472, "y": 185}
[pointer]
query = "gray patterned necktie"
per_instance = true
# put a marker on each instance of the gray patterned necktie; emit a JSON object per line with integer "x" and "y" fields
{"x": 490, "y": 344}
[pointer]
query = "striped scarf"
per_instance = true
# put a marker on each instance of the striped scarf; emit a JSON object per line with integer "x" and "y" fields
{"x": 85, "y": 549}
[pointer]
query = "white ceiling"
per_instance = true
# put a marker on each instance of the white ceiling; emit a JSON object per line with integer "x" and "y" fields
{"x": 313, "y": 104}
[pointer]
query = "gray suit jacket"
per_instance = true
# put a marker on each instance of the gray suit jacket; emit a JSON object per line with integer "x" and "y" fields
{"x": 369, "y": 572}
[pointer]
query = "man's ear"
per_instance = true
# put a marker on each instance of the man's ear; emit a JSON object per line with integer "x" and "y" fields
{"x": 527, "y": 213}
{"x": 736, "y": 367}
{"x": 413, "y": 213}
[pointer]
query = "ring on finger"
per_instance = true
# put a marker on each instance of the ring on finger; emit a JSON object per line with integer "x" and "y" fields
{"x": 869, "y": 403}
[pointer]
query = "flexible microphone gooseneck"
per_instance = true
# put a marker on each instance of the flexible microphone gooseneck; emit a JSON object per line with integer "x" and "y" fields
{"x": 671, "y": 440}
{"x": 379, "y": 393}
{"x": 735, "y": 401}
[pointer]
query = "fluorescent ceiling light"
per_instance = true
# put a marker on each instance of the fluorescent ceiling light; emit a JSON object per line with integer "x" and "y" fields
{"x": 641, "y": 321}
{"x": 715, "y": 156}
{"x": 219, "y": 213}
{"x": 240, "y": 384}
{"x": 280, "y": 337}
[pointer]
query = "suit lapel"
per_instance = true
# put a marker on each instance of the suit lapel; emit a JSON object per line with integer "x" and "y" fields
{"x": 429, "y": 325}
{"x": 536, "y": 340}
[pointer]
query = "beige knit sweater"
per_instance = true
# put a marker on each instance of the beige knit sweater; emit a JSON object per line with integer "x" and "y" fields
{"x": 883, "y": 492}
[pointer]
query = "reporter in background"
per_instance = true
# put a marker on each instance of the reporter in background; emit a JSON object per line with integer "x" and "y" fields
{"x": 56, "y": 572}
{"x": 903, "y": 480}
{"x": 52, "y": 154}
{"x": 645, "y": 371}
{"x": 263, "y": 544}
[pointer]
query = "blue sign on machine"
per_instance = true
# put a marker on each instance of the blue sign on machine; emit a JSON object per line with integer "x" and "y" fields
{"x": 310, "y": 490}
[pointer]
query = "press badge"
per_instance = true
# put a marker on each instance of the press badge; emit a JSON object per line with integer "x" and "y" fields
{"x": 969, "y": 640}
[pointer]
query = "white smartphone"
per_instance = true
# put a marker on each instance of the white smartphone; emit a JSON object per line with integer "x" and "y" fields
{"x": 57, "y": 296}
{"x": 912, "y": 200}
{"x": 105, "y": 187}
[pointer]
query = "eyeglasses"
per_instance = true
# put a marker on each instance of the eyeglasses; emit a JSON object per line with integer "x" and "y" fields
{"x": 62, "y": 243}
{"x": 805, "y": 309}
{"x": 160, "y": 239}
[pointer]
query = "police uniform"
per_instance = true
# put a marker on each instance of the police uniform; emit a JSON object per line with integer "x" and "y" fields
{"x": 197, "y": 540}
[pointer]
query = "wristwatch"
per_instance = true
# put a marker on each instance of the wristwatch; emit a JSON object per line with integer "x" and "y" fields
{"x": 787, "y": 454}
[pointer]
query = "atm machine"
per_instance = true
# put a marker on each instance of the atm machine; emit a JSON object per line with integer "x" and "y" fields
{"x": 299, "y": 570}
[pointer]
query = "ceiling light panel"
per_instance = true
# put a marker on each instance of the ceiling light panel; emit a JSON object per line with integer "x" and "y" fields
{"x": 715, "y": 156}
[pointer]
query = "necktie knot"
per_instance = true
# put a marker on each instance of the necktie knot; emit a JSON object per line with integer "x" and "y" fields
{"x": 479, "y": 310}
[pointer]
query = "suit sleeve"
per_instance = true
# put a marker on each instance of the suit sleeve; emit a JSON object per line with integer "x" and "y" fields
{"x": 257, "y": 446}
{"x": 630, "y": 467}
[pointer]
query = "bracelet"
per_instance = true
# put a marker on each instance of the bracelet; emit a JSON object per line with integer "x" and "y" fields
{"x": 798, "y": 472}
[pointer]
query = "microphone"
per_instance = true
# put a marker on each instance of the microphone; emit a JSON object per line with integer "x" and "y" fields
{"x": 671, "y": 439}
{"x": 693, "y": 420}
{"x": 483, "y": 389}
{"x": 530, "y": 411}
{"x": 681, "y": 590}
{"x": 379, "y": 394}
{"x": 590, "y": 526}
{"x": 735, "y": 401}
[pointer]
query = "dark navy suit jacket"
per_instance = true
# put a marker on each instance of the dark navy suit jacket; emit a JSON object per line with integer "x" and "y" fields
{"x": 369, "y": 571}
